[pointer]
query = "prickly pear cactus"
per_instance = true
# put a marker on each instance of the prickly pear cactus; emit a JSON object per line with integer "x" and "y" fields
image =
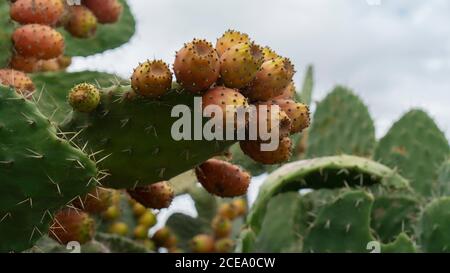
{"x": 52, "y": 90}
{"x": 108, "y": 36}
{"x": 341, "y": 125}
{"x": 434, "y": 226}
{"x": 417, "y": 147}
{"x": 443, "y": 179}
{"x": 327, "y": 172}
{"x": 6, "y": 30}
{"x": 40, "y": 172}
{"x": 126, "y": 131}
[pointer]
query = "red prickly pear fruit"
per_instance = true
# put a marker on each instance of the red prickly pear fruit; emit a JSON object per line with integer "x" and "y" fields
{"x": 155, "y": 196}
{"x": 17, "y": 80}
{"x": 164, "y": 238}
{"x": 229, "y": 39}
{"x": 96, "y": 201}
{"x": 288, "y": 93}
{"x": 45, "y": 12}
{"x": 38, "y": 41}
{"x": 24, "y": 64}
{"x": 271, "y": 79}
{"x": 72, "y": 225}
{"x": 222, "y": 178}
{"x": 239, "y": 65}
{"x": 221, "y": 226}
{"x": 81, "y": 23}
{"x": 224, "y": 245}
{"x": 106, "y": 11}
{"x": 152, "y": 79}
{"x": 253, "y": 150}
{"x": 229, "y": 100}
{"x": 202, "y": 243}
{"x": 269, "y": 54}
{"x": 297, "y": 112}
{"x": 265, "y": 114}
{"x": 84, "y": 97}
{"x": 197, "y": 66}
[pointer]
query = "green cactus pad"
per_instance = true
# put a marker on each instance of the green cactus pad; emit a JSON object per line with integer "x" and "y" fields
{"x": 288, "y": 228}
{"x": 393, "y": 214}
{"x": 246, "y": 241}
{"x": 39, "y": 172}
{"x": 435, "y": 225}
{"x": 326, "y": 172}
{"x": 132, "y": 138}
{"x": 52, "y": 90}
{"x": 417, "y": 147}
{"x": 444, "y": 179}
{"x": 108, "y": 36}
{"x": 120, "y": 244}
{"x": 305, "y": 96}
{"x": 402, "y": 244}
{"x": 342, "y": 226}
{"x": 341, "y": 125}
{"x": 6, "y": 30}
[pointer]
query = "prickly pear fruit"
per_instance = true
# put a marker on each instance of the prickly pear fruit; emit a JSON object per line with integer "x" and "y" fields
{"x": 297, "y": 112}
{"x": 270, "y": 81}
{"x": 64, "y": 61}
{"x": 229, "y": 100}
{"x": 253, "y": 149}
{"x": 81, "y": 23}
{"x": 96, "y": 201}
{"x": 111, "y": 213}
{"x": 222, "y": 178}
{"x": 240, "y": 206}
{"x": 38, "y": 41}
{"x": 266, "y": 114}
{"x": 119, "y": 228}
{"x": 239, "y": 65}
{"x": 197, "y": 66}
{"x": 151, "y": 79}
{"x": 221, "y": 227}
{"x": 84, "y": 97}
{"x": 138, "y": 209}
{"x": 155, "y": 196}
{"x": 202, "y": 243}
{"x": 288, "y": 93}
{"x": 51, "y": 65}
{"x": 72, "y": 225}
{"x": 106, "y": 11}
{"x": 164, "y": 238}
{"x": 229, "y": 39}
{"x": 228, "y": 211}
{"x": 269, "y": 54}
{"x": 46, "y": 12}
{"x": 18, "y": 80}
{"x": 24, "y": 64}
{"x": 224, "y": 245}
{"x": 148, "y": 219}
{"x": 140, "y": 232}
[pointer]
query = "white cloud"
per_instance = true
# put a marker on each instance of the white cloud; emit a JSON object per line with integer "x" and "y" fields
{"x": 395, "y": 55}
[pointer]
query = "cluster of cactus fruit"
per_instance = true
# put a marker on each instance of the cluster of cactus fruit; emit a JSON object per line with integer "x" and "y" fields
{"x": 99, "y": 160}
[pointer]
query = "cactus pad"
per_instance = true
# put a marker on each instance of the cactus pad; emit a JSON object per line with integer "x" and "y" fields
{"x": 39, "y": 172}
{"x": 417, "y": 147}
{"x": 434, "y": 226}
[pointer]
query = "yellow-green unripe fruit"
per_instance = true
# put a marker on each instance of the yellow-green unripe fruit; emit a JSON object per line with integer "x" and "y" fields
{"x": 84, "y": 97}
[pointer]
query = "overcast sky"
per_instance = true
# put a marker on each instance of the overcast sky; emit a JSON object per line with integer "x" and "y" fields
{"x": 395, "y": 55}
